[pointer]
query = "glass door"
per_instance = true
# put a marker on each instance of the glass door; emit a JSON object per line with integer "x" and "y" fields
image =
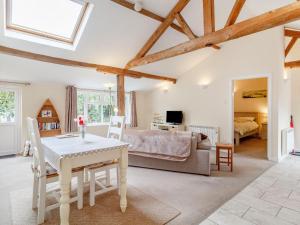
{"x": 9, "y": 121}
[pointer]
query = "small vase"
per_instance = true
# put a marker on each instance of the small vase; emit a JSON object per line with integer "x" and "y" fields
{"x": 82, "y": 130}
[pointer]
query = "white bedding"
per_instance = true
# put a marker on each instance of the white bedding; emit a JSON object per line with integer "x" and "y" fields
{"x": 245, "y": 127}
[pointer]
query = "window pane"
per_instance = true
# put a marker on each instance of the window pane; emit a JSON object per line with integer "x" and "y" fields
{"x": 93, "y": 98}
{"x": 107, "y": 112}
{"x": 94, "y": 113}
{"x": 7, "y": 106}
{"x": 80, "y": 103}
{"x": 57, "y": 17}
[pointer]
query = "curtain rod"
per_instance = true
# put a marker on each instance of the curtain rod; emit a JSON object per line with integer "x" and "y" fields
{"x": 98, "y": 90}
{"x": 15, "y": 82}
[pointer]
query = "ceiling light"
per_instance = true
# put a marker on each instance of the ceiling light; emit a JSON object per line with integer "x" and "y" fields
{"x": 138, "y": 6}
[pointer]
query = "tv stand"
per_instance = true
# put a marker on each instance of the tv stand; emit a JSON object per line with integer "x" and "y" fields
{"x": 167, "y": 126}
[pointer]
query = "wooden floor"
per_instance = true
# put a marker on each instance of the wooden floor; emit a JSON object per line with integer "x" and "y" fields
{"x": 252, "y": 147}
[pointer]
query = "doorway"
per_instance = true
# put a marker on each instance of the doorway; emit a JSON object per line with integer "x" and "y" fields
{"x": 10, "y": 120}
{"x": 251, "y": 116}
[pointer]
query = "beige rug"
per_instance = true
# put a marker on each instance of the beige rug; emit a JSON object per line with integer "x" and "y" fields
{"x": 142, "y": 210}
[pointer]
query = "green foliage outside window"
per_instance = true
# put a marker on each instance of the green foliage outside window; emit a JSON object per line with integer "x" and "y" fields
{"x": 96, "y": 107}
{"x": 7, "y": 106}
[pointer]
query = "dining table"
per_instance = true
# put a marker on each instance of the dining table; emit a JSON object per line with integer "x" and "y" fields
{"x": 67, "y": 152}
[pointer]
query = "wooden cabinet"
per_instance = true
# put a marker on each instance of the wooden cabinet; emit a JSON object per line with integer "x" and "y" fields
{"x": 48, "y": 120}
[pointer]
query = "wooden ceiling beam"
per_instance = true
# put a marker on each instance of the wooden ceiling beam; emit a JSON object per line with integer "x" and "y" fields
{"x": 292, "y": 64}
{"x": 162, "y": 28}
{"x": 235, "y": 12}
{"x": 277, "y": 17}
{"x": 290, "y": 45}
{"x": 208, "y": 16}
{"x": 67, "y": 62}
{"x": 147, "y": 13}
{"x": 185, "y": 27}
{"x": 291, "y": 33}
{"x": 156, "y": 17}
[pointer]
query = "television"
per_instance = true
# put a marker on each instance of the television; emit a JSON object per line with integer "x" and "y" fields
{"x": 174, "y": 117}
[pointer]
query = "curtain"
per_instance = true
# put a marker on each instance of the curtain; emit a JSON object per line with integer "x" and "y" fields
{"x": 133, "y": 110}
{"x": 71, "y": 109}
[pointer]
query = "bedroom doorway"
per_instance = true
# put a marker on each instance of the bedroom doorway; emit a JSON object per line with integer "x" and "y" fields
{"x": 250, "y": 117}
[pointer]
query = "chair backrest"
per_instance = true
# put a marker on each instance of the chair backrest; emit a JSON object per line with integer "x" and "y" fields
{"x": 38, "y": 152}
{"x": 116, "y": 127}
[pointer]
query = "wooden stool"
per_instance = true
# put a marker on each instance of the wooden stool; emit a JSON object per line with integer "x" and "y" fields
{"x": 229, "y": 157}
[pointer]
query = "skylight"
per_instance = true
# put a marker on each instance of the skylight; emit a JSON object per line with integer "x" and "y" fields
{"x": 58, "y": 20}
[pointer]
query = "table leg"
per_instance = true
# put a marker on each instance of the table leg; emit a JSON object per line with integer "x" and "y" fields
{"x": 65, "y": 176}
{"x": 123, "y": 179}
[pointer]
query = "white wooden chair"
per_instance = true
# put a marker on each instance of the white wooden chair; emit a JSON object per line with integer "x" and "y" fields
{"x": 115, "y": 130}
{"x": 45, "y": 174}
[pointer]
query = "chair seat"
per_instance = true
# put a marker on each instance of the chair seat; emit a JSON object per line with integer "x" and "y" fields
{"x": 51, "y": 172}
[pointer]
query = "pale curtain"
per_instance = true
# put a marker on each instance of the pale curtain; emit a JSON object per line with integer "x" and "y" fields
{"x": 133, "y": 110}
{"x": 71, "y": 109}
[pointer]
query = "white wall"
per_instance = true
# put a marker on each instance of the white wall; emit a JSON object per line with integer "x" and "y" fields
{"x": 250, "y": 104}
{"x": 295, "y": 78}
{"x": 259, "y": 54}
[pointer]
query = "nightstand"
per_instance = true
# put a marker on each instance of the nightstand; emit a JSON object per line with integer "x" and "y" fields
{"x": 264, "y": 131}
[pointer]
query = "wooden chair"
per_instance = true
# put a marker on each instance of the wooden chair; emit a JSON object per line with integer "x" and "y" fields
{"x": 45, "y": 174}
{"x": 227, "y": 159}
{"x": 115, "y": 130}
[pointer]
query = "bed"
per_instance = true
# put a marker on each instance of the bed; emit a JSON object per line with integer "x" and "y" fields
{"x": 195, "y": 159}
{"x": 245, "y": 124}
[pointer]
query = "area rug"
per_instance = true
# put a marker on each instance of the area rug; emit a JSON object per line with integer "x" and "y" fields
{"x": 142, "y": 210}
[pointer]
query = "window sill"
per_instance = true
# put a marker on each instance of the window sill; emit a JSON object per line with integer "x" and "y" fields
{"x": 97, "y": 124}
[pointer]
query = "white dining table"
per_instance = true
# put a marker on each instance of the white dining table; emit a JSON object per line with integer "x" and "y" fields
{"x": 65, "y": 153}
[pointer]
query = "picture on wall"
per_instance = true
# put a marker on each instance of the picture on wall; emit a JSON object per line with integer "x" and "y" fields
{"x": 255, "y": 94}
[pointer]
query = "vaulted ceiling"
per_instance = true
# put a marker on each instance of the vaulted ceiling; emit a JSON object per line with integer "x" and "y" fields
{"x": 114, "y": 35}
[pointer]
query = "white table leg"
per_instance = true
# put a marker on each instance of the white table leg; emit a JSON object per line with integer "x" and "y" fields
{"x": 65, "y": 176}
{"x": 123, "y": 179}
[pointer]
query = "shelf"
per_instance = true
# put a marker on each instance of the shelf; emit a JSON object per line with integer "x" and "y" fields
{"x": 45, "y": 121}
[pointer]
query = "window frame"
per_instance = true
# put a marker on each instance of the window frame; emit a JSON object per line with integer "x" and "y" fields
{"x": 42, "y": 34}
{"x": 86, "y": 103}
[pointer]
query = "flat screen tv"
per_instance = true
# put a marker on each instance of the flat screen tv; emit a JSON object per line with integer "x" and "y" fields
{"x": 174, "y": 117}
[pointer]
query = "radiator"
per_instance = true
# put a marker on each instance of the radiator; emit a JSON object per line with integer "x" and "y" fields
{"x": 211, "y": 132}
{"x": 287, "y": 141}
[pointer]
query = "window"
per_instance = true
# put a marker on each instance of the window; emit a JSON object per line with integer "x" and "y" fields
{"x": 97, "y": 106}
{"x": 7, "y": 106}
{"x": 58, "y": 20}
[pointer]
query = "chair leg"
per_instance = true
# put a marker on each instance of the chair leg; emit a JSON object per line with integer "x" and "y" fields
{"x": 35, "y": 191}
{"x": 107, "y": 173}
{"x": 92, "y": 188}
{"x": 80, "y": 190}
{"x": 42, "y": 200}
{"x": 118, "y": 179}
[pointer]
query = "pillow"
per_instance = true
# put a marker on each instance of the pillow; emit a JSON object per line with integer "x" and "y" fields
{"x": 244, "y": 119}
{"x": 200, "y": 138}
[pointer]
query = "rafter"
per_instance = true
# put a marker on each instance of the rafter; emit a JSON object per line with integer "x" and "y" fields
{"x": 147, "y": 13}
{"x": 292, "y": 64}
{"x": 235, "y": 12}
{"x": 290, "y": 45}
{"x": 162, "y": 28}
{"x": 208, "y": 16}
{"x": 67, "y": 62}
{"x": 185, "y": 27}
{"x": 277, "y": 17}
{"x": 291, "y": 32}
